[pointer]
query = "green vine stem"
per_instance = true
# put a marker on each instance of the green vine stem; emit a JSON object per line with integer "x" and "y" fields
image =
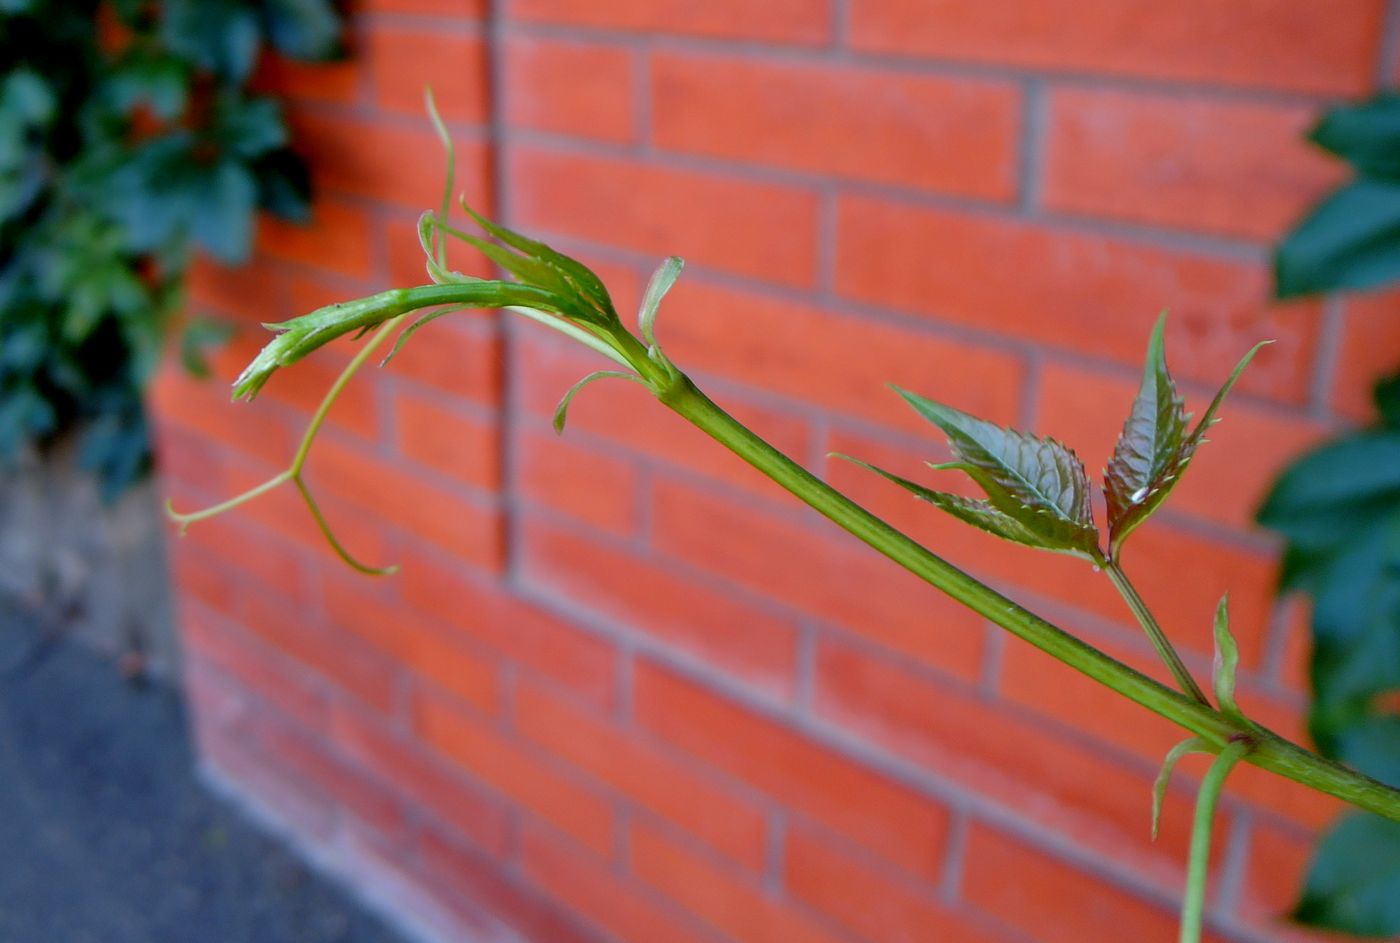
{"x": 1193, "y": 905}
{"x": 1149, "y": 624}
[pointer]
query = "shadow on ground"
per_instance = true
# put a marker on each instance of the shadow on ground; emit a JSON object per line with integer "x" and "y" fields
{"x": 106, "y": 836}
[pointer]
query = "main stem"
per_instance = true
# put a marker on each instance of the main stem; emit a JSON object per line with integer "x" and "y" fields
{"x": 1154, "y": 631}
{"x": 1268, "y": 751}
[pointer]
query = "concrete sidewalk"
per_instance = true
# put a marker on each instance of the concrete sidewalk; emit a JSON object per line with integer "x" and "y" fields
{"x": 106, "y": 836}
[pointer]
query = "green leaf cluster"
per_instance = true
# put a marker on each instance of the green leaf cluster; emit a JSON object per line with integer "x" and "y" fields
{"x": 1037, "y": 492}
{"x": 116, "y": 160}
{"x": 1351, "y": 239}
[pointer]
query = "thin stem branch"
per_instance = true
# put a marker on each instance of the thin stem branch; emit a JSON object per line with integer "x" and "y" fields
{"x": 1193, "y": 904}
{"x": 1154, "y": 631}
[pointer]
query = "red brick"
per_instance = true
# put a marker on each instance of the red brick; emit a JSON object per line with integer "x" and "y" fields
{"x": 394, "y": 164}
{"x": 832, "y": 361}
{"x": 429, "y": 785}
{"x": 194, "y": 573}
{"x": 890, "y": 819}
{"x": 462, "y": 358}
{"x": 334, "y": 655}
{"x": 1277, "y": 864}
{"x": 934, "y": 133}
{"x": 327, "y": 775}
{"x": 521, "y": 632}
{"x": 338, "y": 83}
{"x": 582, "y": 89}
{"x": 260, "y": 556}
{"x": 742, "y": 639}
{"x": 1230, "y": 474}
{"x": 715, "y": 895}
{"x": 586, "y": 886}
{"x": 257, "y": 668}
{"x": 828, "y": 575}
{"x": 759, "y": 230}
{"x": 404, "y": 61}
{"x": 646, "y": 776}
{"x": 448, "y": 440}
{"x": 587, "y": 484}
{"x": 628, "y": 415}
{"x": 429, "y": 650}
{"x": 1078, "y": 791}
{"x": 466, "y": 9}
{"x": 254, "y": 292}
{"x": 1049, "y": 900}
{"x": 1090, "y": 293}
{"x": 337, "y": 238}
{"x": 866, "y": 899}
{"x": 1370, "y": 350}
{"x": 476, "y": 886}
{"x": 284, "y": 511}
{"x": 472, "y": 530}
{"x": 488, "y": 756}
{"x": 795, "y": 21}
{"x": 1228, "y": 167}
{"x": 1305, "y": 47}
{"x": 203, "y": 407}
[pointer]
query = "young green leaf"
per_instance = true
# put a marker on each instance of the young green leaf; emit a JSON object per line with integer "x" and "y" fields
{"x": 1353, "y": 884}
{"x": 1227, "y": 662}
{"x": 661, "y": 281}
{"x": 1038, "y": 483}
{"x": 1154, "y": 448}
{"x": 1164, "y": 775}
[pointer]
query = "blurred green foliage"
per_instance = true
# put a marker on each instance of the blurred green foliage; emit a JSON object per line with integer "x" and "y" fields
{"x": 128, "y": 138}
{"x": 1338, "y": 508}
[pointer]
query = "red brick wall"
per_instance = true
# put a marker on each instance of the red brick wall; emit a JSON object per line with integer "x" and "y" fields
{"x": 623, "y": 688}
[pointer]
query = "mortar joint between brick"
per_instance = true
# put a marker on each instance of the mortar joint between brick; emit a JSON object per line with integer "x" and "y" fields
{"x": 775, "y": 851}
{"x": 1030, "y": 164}
{"x": 955, "y": 856}
{"x": 1331, "y": 325}
{"x": 993, "y": 659}
{"x": 1229, "y": 884}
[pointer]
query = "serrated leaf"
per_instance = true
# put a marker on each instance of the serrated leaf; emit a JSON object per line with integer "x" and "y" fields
{"x": 1038, "y": 483}
{"x": 1386, "y": 396}
{"x": 1227, "y": 662}
{"x": 1148, "y": 457}
{"x": 1348, "y": 241}
{"x": 303, "y": 29}
{"x": 561, "y": 412}
{"x": 1353, "y": 883}
{"x": 979, "y": 514}
{"x": 661, "y": 282}
{"x": 1164, "y": 775}
{"x": 1154, "y": 449}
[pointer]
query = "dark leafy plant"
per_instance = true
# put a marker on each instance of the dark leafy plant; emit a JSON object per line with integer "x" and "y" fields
{"x": 1338, "y": 508}
{"x": 1037, "y": 492}
{"x": 120, "y": 151}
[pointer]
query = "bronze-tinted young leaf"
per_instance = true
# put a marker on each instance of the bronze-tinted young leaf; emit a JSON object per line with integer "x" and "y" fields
{"x": 1038, "y": 483}
{"x": 979, "y": 514}
{"x": 1149, "y": 455}
{"x": 1154, "y": 448}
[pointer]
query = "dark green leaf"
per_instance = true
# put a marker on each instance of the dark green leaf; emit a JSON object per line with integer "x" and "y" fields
{"x": 1366, "y": 134}
{"x": 1351, "y": 240}
{"x": 1387, "y": 400}
{"x": 1372, "y": 745}
{"x": 284, "y": 184}
{"x": 227, "y": 200}
{"x": 199, "y": 336}
{"x": 222, "y": 36}
{"x": 303, "y": 29}
{"x": 1038, "y": 483}
{"x": 1353, "y": 884}
{"x": 1352, "y": 471}
{"x": 249, "y": 127}
{"x": 158, "y": 83}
